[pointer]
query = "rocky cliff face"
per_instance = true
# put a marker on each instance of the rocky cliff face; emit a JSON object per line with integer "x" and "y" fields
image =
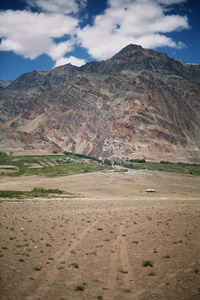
{"x": 138, "y": 104}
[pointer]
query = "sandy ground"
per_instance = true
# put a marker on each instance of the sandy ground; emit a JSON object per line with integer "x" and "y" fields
{"x": 94, "y": 247}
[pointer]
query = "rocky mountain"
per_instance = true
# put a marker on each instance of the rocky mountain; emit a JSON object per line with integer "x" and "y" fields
{"x": 4, "y": 84}
{"x": 138, "y": 104}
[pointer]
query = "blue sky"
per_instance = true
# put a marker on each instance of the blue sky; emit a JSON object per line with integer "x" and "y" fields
{"x": 42, "y": 34}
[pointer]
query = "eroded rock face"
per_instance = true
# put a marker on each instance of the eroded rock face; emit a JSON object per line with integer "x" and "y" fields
{"x": 138, "y": 104}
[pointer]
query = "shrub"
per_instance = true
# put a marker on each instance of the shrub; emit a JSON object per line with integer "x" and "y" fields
{"x": 164, "y": 162}
{"x": 152, "y": 273}
{"x": 75, "y": 265}
{"x": 138, "y": 160}
{"x": 147, "y": 263}
{"x": 40, "y": 190}
{"x": 107, "y": 162}
{"x": 79, "y": 288}
{"x": 82, "y": 156}
{"x": 121, "y": 270}
{"x": 3, "y": 153}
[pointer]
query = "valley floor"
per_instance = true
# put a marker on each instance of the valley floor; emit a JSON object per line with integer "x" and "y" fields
{"x": 115, "y": 242}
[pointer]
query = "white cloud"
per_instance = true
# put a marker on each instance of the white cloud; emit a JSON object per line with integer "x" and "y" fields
{"x": 70, "y": 60}
{"x": 58, "y": 6}
{"x": 58, "y": 50}
{"x": 170, "y": 2}
{"x": 142, "y": 22}
{"x": 120, "y": 3}
{"x": 31, "y": 34}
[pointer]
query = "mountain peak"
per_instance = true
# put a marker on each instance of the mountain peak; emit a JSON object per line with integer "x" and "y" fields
{"x": 128, "y": 51}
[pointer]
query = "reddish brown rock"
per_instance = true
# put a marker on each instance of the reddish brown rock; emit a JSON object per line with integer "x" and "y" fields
{"x": 138, "y": 104}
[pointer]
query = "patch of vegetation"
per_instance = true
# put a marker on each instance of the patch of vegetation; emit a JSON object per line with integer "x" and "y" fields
{"x": 121, "y": 270}
{"x": 107, "y": 162}
{"x": 21, "y": 260}
{"x": 127, "y": 290}
{"x": 121, "y": 170}
{"x": 165, "y": 166}
{"x": 75, "y": 265}
{"x": 12, "y": 194}
{"x": 79, "y": 288}
{"x": 74, "y": 163}
{"x": 39, "y": 191}
{"x": 135, "y": 242}
{"x": 167, "y": 256}
{"x": 36, "y": 192}
{"x": 3, "y": 154}
{"x": 152, "y": 273}
{"x": 79, "y": 155}
{"x": 48, "y": 165}
{"x": 147, "y": 263}
{"x": 138, "y": 160}
{"x": 37, "y": 268}
{"x": 92, "y": 253}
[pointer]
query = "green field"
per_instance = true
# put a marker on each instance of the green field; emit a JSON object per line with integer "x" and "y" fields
{"x": 47, "y": 165}
{"x": 165, "y": 166}
{"x": 74, "y": 163}
{"x": 37, "y": 192}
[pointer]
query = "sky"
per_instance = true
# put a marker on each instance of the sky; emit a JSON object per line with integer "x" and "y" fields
{"x": 43, "y": 34}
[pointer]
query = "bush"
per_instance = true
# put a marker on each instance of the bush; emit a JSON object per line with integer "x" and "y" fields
{"x": 67, "y": 153}
{"x": 129, "y": 166}
{"x": 147, "y": 263}
{"x": 138, "y": 160}
{"x": 81, "y": 156}
{"x": 164, "y": 162}
{"x": 107, "y": 162}
{"x": 79, "y": 288}
{"x": 181, "y": 164}
{"x": 2, "y": 154}
{"x": 40, "y": 190}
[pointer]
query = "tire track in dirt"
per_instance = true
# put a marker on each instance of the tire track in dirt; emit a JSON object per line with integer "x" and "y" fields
{"x": 47, "y": 277}
{"x": 110, "y": 289}
{"x": 125, "y": 268}
{"x": 119, "y": 271}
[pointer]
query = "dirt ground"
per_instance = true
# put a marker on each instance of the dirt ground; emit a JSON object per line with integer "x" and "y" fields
{"x": 116, "y": 242}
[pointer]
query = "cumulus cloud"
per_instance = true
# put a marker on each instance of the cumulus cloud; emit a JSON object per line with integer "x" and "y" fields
{"x": 70, "y": 60}
{"x": 57, "y": 6}
{"x": 120, "y": 3}
{"x": 142, "y": 22}
{"x": 170, "y": 2}
{"x": 32, "y": 34}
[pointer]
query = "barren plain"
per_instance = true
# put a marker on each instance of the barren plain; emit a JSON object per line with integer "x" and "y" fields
{"x": 113, "y": 242}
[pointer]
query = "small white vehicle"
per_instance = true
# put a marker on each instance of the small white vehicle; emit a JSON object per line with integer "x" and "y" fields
{"x": 150, "y": 191}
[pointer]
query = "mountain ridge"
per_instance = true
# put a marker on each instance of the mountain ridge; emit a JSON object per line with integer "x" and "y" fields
{"x": 139, "y": 103}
